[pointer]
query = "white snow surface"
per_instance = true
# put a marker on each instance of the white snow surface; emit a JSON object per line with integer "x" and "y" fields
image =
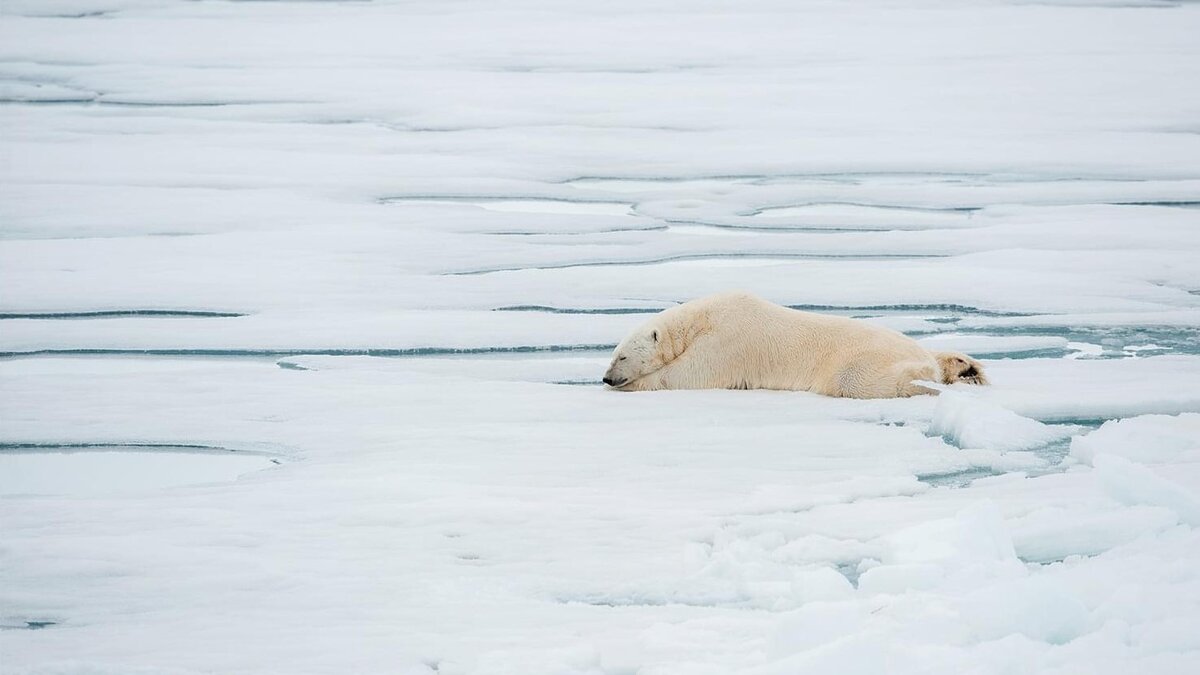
{"x": 383, "y": 249}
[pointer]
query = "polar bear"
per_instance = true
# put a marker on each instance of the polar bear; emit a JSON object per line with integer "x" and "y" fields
{"x": 740, "y": 341}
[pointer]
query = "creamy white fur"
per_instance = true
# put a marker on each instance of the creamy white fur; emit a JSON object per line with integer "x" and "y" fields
{"x": 740, "y": 341}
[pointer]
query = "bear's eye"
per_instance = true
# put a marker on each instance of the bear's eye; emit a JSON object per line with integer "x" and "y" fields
{"x": 622, "y": 358}
{"x": 654, "y": 336}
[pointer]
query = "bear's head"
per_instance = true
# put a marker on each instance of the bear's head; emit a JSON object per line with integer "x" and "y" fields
{"x": 960, "y": 368}
{"x": 638, "y": 355}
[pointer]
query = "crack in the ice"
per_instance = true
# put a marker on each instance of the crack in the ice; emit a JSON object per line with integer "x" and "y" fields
{"x": 392, "y": 126}
{"x": 69, "y": 15}
{"x": 30, "y": 624}
{"x": 275, "y": 353}
{"x": 193, "y": 448}
{"x": 957, "y": 479}
{"x": 850, "y": 570}
{"x": 598, "y": 70}
{"x": 46, "y": 101}
{"x": 866, "y": 205}
{"x": 578, "y": 310}
{"x": 93, "y": 101}
{"x": 1180, "y": 204}
{"x": 1053, "y": 454}
{"x": 1042, "y": 562}
{"x": 834, "y": 176}
{"x": 1113, "y": 340}
{"x": 469, "y": 198}
{"x": 576, "y": 233}
{"x": 705, "y": 256}
{"x": 1088, "y": 422}
{"x": 1044, "y": 353}
{"x": 123, "y": 314}
{"x": 785, "y": 229}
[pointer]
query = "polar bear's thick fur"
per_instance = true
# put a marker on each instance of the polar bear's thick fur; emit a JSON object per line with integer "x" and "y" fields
{"x": 740, "y": 341}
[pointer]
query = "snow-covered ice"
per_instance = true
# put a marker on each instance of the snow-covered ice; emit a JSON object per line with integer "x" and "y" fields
{"x": 304, "y": 306}
{"x": 93, "y": 470}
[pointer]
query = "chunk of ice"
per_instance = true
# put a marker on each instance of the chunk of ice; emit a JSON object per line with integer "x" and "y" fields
{"x": 970, "y": 422}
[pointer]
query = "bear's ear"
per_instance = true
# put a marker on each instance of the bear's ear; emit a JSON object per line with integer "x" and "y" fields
{"x": 654, "y": 336}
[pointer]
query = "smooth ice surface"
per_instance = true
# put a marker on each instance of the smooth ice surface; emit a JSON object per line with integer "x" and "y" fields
{"x": 538, "y": 206}
{"x": 393, "y": 243}
{"x": 104, "y": 471}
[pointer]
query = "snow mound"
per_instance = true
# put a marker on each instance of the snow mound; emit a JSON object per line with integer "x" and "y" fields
{"x": 1033, "y": 607}
{"x": 973, "y": 543}
{"x": 1132, "y": 484}
{"x": 1148, "y": 439}
{"x": 971, "y": 422}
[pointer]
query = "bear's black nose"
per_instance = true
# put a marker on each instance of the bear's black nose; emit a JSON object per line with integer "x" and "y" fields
{"x": 609, "y": 381}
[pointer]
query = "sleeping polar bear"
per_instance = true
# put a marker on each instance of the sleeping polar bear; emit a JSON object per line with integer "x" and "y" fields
{"x": 740, "y": 341}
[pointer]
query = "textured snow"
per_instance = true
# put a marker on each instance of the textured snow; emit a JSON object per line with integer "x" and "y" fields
{"x": 304, "y": 306}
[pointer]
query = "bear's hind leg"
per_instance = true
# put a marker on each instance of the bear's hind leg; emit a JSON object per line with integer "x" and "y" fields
{"x": 908, "y": 372}
{"x": 865, "y": 378}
